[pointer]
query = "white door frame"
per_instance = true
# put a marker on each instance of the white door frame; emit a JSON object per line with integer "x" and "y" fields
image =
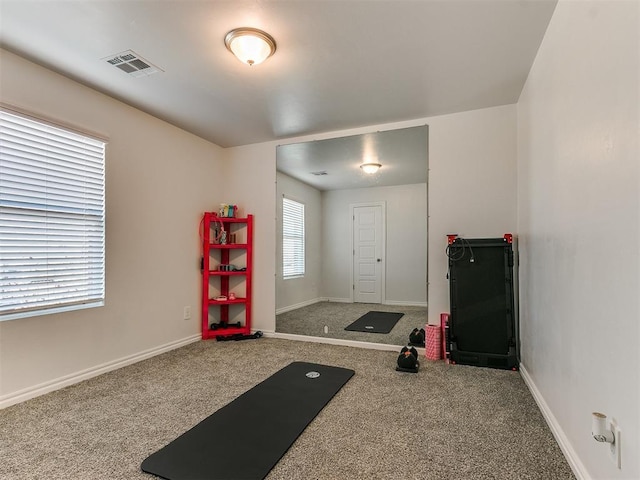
{"x": 383, "y": 275}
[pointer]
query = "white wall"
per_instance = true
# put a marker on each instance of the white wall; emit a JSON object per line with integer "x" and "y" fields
{"x": 472, "y": 191}
{"x": 578, "y": 220}
{"x": 328, "y": 250}
{"x": 472, "y": 186}
{"x": 305, "y": 290}
{"x": 249, "y": 174}
{"x": 159, "y": 180}
{"x": 406, "y": 241}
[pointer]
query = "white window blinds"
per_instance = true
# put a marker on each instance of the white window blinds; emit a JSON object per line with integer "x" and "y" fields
{"x": 51, "y": 217}
{"x": 292, "y": 238}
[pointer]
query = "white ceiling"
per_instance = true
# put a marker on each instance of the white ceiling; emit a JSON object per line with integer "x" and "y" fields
{"x": 401, "y": 152}
{"x": 339, "y": 64}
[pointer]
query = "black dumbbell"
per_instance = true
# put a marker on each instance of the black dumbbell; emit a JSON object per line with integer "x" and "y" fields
{"x": 408, "y": 358}
{"x": 417, "y": 336}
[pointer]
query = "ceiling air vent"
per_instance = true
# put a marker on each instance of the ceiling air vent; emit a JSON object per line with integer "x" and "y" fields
{"x": 320, "y": 173}
{"x": 132, "y": 64}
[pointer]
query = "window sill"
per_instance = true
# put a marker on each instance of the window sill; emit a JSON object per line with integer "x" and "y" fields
{"x": 48, "y": 311}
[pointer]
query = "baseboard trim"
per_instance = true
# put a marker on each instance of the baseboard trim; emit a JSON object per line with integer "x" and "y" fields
{"x": 406, "y": 304}
{"x": 339, "y": 341}
{"x": 306, "y": 303}
{"x": 58, "y": 383}
{"x": 296, "y": 306}
{"x": 338, "y": 300}
{"x": 570, "y": 454}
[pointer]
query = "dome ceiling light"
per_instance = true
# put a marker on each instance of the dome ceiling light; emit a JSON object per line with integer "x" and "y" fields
{"x": 250, "y": 45}
{"x": 370, "y": 168}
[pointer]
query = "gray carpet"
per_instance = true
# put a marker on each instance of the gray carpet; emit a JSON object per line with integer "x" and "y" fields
{"x": 446, "y": 421}
{"x": 310, "y": 321}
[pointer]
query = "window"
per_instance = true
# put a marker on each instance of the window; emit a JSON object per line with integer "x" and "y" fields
{"x": 292, "y": 238}
{"x": 51, "y": 218}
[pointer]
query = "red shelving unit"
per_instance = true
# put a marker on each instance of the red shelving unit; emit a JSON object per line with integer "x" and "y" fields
{"x": 234, "y": 248}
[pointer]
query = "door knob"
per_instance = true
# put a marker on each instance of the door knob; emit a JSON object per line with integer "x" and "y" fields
{"x": 379, "y": 260}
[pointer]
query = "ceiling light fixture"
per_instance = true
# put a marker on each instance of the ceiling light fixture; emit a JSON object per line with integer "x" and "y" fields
{"x": 370, "y": 167}
{"x": 250, "y": 45}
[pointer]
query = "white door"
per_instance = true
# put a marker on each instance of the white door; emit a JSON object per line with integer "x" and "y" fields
{"x": 367, "y": 254}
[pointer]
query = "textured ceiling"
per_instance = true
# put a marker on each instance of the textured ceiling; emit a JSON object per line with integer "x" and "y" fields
{"x": 339, "y": 64}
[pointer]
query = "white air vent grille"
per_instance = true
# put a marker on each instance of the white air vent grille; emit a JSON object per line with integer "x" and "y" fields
{"x": 132, "y": 64}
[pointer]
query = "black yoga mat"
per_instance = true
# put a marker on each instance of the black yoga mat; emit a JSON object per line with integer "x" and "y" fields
{"x": 246, "y": 438}
{"x": 375, "y": 322}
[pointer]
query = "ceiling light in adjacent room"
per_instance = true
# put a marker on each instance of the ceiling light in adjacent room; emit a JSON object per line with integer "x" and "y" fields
{"x": 370, "y": 167}
{"x": 250, "y": 45}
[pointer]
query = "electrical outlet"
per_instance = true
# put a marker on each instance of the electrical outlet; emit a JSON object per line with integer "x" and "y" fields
{"x": 186, "y": 315}
{"x": 326, "y": 329}
{"x": 615, "y": 448}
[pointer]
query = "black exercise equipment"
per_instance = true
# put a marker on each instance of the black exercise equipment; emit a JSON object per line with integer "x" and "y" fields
{"x": 408, "y": 360}
{"x": 416, "y": 337}
{"x": 239, "y": 336}
{"x": 223, "y": 325}
{"x": 482, "y": 323}
{"x": 375, "y": 322}
{"x": 247, "y": 437}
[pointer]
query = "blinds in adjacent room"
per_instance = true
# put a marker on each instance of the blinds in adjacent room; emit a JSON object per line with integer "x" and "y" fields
{"x": 292, "y": 238}
{"x": 52, "y": 207}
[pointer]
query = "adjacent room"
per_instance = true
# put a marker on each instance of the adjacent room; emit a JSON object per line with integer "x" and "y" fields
{"x": 196, "y": 192}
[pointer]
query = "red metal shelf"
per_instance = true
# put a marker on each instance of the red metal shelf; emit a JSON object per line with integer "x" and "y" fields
{"x": 222, "y": 273}
{"x": 227, "y": 302}
{"x": 214, "y": 254}
{"x": 229, "y": 245}
{"x": 216, "y": 218}
{"x": 207, "y": 334}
